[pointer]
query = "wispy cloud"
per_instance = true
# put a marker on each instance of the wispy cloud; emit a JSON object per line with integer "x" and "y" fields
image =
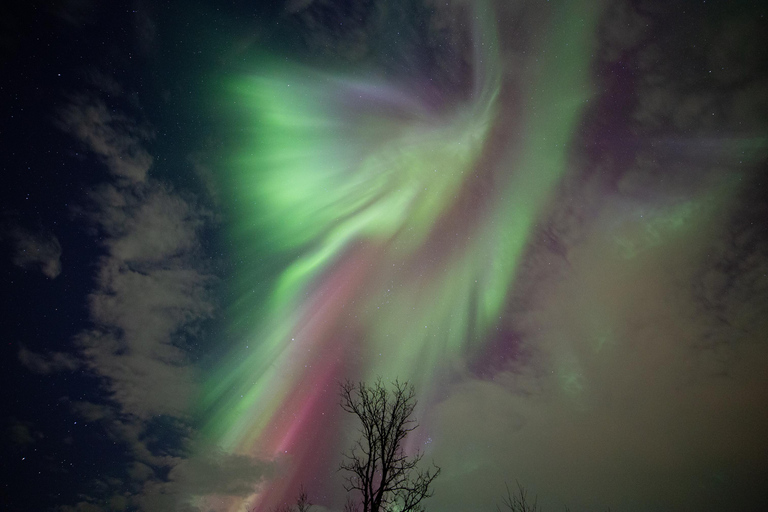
{"x": 208, "y": 474}
{"x": 33, "y": 249}
{"x": 109, "y": 134}
{"x": 152, "y": 290}
{"x": 20, "y": 434}
{"x": 48, "y": 363}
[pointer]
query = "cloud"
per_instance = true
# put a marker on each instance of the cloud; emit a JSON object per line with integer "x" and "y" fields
{"x": 333, "y": 30}
{"x": 91, "y": 412}
{"x": 639, "y": 398}
{"x": 204, "y": 482}
{"x": 21, "y": 434}
{"x": 151, "y": 288}
{"x": 146, "y": 28}
{"x": 83, "y": 506}
{"x": 160, "y": 480}
{"x": 229, "y": 474}
{"x": 641, "y": 305}
{"x": 147, "y": 224}
{"x": 79, "y": 13}
{"x": 30, "y": 249}
{"x": 50, "y": 362}
{"x": 105, "y": 83}
{"x": 138, "y": 435}
{"x": 114, "y": 137}
{"x": 151, "y": 292}
{"x": 294, "y": 6}
{"x": 710, "y": 85}
{"x": 622, "y": 29}
{"x": 206, "y": 176}
{"x": 732, "y": 286}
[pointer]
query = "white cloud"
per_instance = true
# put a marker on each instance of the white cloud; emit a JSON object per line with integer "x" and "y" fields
{"x": 151, "y": 288}
{"x": 151, "y": 291}
{"x": 206, "y": 481}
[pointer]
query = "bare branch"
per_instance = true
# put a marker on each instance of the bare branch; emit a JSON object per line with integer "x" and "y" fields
{"x": 519, "y": 501}
{"x": 379, "y": 470}
{"x": 302, "y": 502}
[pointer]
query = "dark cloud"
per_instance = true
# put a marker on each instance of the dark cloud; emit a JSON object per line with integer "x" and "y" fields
{"x": 49, "y": 362}
{"x": 91, "y": 412}
{"x": 145, "y": 26}
{"x": 151, "y": 288}
{"x": 622, "y": 29}
{"x": 426, "y": 43}
{"x": 158, "y": 480}
{"x": 33, "y": 249}
{"x": 84, "y": 506}
{"x": 704, "y": 85}
{"x": 151, "y": 291}
{"x": 114, "y": 137}
{"x": 105, "y": 83}
{"x": 207, "y": 177}
{"x": 78, "y": 13}
{"x": 294, "y": 6}
{"x": 207, "y": 475}
{"x": 337, "y": 29}
{"x": 20, "y": 434}
{"x": 732, "y": 286}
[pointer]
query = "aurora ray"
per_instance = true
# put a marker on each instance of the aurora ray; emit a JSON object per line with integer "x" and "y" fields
{"x": 402, "y": 227}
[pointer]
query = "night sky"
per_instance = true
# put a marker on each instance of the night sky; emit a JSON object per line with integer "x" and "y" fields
{"x": 550, "y": 217}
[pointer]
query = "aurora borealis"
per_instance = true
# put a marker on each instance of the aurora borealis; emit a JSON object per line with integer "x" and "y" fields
{"x": 546, "y": 216}
{"x": 400, "y": 274}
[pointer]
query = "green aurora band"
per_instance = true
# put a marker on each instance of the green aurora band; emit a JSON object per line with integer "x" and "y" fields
{"x": 401, "y": 230}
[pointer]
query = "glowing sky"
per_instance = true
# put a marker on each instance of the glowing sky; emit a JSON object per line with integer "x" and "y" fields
{"x": 397, "y": 272}
{"x": 404, "y": 227}
{"x": 549, "y": 217}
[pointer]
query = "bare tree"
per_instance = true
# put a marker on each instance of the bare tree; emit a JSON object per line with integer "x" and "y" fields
{"x": 519, "y": 501}
{"x": 302, "y": 502}
{"x": 386, "y": 478}
{"x": 350, "y": 505}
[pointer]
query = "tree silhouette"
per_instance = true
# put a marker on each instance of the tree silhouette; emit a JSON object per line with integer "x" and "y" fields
{"x": 377, "y": 466}
{"x": 302, "y": 504}
{"x": 519, "y": 501}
